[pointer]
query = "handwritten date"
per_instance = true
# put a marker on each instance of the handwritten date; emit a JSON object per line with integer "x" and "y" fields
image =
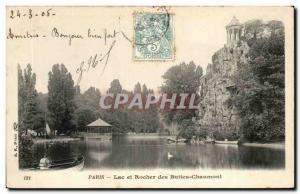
{"x": 29, "y": 13}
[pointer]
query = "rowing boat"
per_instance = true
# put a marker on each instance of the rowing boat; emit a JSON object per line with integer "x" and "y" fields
{"x": 227, "y": 142}
{"x": 76, "y": 163}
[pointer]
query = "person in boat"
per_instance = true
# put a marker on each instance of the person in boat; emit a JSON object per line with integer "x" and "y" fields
{"x": 45, "y": 163}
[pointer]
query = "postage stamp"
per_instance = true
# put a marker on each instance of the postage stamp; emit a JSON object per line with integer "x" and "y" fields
{"x": 153, "y": 36}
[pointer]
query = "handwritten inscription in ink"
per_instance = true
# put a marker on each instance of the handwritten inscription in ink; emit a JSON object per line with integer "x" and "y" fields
{"x": 107, "y": 37}
{"x": 30, "y": 13}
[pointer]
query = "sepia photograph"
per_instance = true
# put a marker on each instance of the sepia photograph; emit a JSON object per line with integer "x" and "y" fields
{"x": 108, "y": 94}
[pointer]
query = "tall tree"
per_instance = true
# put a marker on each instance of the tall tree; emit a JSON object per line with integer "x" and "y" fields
{"x": 21, "y": 94}
{"x": 61, "y": 103}
{"x": 28, "y": 114}
{"x": 137, "y": 88}
{"x": 87, "y": 106}
{"x": 145, "y": 90}
{"x": 252, "y": 30}
{"x": 115, "y": 87}
{"x": 27, "y": 99}
{"x": 182, "y": 78}
{"x": 260, "y": 87}
{"x": 116, "y": 117}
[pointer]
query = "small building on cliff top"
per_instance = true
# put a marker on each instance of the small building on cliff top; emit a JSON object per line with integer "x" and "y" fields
{"x": 217, "y": 86}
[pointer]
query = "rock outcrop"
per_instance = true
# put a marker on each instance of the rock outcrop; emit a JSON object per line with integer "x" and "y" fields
{"x": 217, "y": 86}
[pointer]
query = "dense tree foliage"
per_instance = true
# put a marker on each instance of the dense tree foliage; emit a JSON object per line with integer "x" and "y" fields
{"x": 260, "y": 83}
{"x": 30, "y": 114}
{"x": 115, "y": 87}
{"x": 133, "y": 120}
{"x": 61, "y": 104}
{"x": 84, "y": 117}
{"x": 87, "y": 105}
{"x": 182, "y": 78}
{"x": 146, "y": 120}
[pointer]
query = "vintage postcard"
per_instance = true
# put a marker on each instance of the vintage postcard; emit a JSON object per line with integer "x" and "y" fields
{"x": 149, "y": 97}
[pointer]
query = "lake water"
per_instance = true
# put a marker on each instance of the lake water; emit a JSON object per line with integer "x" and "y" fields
{"x": 133, "y": 152}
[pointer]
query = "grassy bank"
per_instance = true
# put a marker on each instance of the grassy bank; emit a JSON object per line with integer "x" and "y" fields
{"x": 276, "y": 145}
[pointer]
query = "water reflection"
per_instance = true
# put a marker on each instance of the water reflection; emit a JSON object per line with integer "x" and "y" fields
{"x": 125, "y": 152}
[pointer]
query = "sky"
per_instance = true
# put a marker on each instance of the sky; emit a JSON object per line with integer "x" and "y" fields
{"x": 198, "y": 33}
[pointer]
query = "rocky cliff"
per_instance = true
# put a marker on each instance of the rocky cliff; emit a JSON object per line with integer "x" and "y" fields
{"x": 217, "y": 86}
